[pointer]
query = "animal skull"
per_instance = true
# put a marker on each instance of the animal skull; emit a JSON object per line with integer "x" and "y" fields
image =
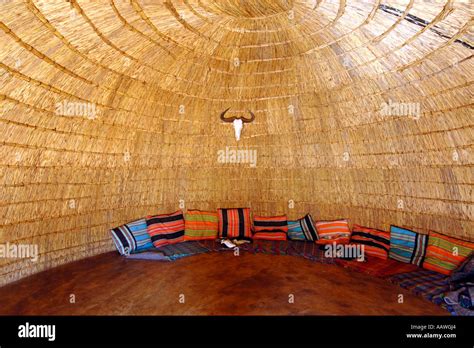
{"x": 238, "y": 122}
{"x": 238, "y": 125}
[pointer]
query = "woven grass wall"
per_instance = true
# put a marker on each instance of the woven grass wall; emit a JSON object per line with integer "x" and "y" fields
{"x": 110, "y": 111}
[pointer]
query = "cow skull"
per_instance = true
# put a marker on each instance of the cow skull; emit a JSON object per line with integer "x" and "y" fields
{"x": 237, "y": 122}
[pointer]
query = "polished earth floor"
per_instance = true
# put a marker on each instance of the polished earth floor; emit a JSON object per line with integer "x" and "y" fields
{"x": 207, "y": 284}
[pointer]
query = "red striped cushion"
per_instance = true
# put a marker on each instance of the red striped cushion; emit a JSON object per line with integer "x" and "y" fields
{"x": 376, "y": 242}
{"x": 235, "y": 223}
{"x": 333, "y": 231}
{"x": 273, "y": 235}
{"x": 165, "y": 229}
{"x": 270, "y": 223}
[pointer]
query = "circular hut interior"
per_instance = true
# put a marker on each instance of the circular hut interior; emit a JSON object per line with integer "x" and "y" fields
{"x": 358, "y": 112}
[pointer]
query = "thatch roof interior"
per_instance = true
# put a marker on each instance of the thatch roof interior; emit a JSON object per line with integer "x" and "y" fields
{"x": 145, "y": 82}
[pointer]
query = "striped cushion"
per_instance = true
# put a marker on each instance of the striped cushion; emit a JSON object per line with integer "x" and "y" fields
{"x": 165, "y": 229}
{"x": 295, "y": 231}
{"x": 201, "y": 225}
{"x": 131, "y": 237}
{"x": 235, "y": 223}
{"x": 407, "y": 246}
{"x": 302, "y": 229}
{"x": 376, "y": 242}
{"x": 269, "y": 224}
{"x": 336, "y": 231}
{"x": 444, "y": 254}
{"x": 272, "y": 235}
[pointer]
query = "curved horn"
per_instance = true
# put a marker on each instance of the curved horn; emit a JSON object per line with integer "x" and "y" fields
{"x": 248, "y": 120}
{"x": 230, "y": 119}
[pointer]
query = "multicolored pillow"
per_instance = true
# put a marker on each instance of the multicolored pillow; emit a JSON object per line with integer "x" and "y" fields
{"x": 131, "y": 237}
{"x": 270, "y": 227}
{"x": 235, "y": 223}
{"x": 407, "y": 246}
{"x": 335, "y": 231}
{"x": 295, "y": 232}
{"x": 376, "y": 242}
{"x": 165, "y": 229}
{"x": 302, "y": 229}
{"x": 270, "y": 223}
{"x": 201, "y": 225}
{"x": 272, "y": 235}
{"x": 444, "y": 254}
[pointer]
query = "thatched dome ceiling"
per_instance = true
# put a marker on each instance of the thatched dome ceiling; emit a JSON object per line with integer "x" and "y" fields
{"x": 153, "y": 77}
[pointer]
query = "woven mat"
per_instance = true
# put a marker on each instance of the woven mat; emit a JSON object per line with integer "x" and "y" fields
{"x": 154, "y": 255}
{"x": 180, "y": 250}
{"x": 171, "y": 252}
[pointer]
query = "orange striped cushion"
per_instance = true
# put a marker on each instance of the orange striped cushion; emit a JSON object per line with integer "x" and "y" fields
{"x": 270, "y": 223}
{"x": 333, "y": 231}
{"x": 444, "y": 254}
{"x": 376, "y": 242}
{"x": 235, "y": 223}
{"x": 273, "y": 235}
{"x": 165, "y": 229}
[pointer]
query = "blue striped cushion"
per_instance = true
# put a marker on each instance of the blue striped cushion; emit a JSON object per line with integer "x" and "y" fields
{"x": 302, "y": 229}
{"x": 295, "y": 232}
{"x": 407, "y": 246}
{"x": 132, "y": 237}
